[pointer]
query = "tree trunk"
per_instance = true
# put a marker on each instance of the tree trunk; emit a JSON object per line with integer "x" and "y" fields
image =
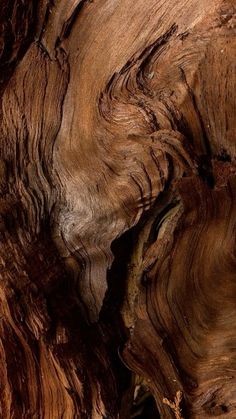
{"x": 117, "y": 209}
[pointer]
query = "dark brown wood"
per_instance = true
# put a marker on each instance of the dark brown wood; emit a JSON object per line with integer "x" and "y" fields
{"x": 117, "y": 209}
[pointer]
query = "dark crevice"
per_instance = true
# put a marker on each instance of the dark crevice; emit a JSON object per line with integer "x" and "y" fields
{"x": 144, "y": 406}
{"x": 224, "y": 408}
{"x": 110, "y": 319}
{"x": 205, "y": 170}
{"x": 67, "y": 27}
{"x": 117, "y": 274}
{"x": 224, "y": 156}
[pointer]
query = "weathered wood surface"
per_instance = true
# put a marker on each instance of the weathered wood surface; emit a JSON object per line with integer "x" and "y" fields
{"x": 117, "y": 208}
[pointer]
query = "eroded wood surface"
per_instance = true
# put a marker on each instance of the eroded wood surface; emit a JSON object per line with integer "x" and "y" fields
{"x": 117, "y": 208}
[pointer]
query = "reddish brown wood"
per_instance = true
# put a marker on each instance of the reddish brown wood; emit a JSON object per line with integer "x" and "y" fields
{"x": 117, "y": 209}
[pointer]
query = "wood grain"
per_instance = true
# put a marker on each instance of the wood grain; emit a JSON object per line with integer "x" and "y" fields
{"x": 117, "y": 208}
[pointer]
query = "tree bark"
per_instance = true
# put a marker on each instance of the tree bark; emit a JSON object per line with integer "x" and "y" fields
{"x": 117, "y": 209}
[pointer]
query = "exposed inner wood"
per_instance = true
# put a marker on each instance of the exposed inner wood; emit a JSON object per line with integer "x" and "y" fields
{"x": 117, "y": 209}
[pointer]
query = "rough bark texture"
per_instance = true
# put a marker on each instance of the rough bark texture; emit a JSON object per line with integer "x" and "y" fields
{"x": 117, "y": 209}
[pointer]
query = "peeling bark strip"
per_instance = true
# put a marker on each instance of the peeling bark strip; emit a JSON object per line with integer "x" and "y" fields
{"x": 117, "y": 209}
